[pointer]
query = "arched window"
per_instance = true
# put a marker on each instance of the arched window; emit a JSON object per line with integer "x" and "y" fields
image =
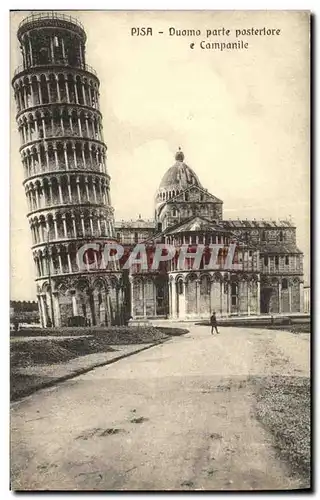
{"x": 263, "y": 236}
{"x": 57, "y": 48}
{"x": 205, "y": 285}
{"x": 180, "y": 287}
{"x": 234, "y": 293}
{"x": 284, "y": 284}
{"x": 35, "y": 90}
{"x": 43, "y": 55}
{"x": 186, "y": 196}
{"x": 281, "y": 236}
{"x": 44, "y": 89}
{"x": 79, "y": 90}
{"x": 84, "y": 309}
{"x": 174, "y": 212}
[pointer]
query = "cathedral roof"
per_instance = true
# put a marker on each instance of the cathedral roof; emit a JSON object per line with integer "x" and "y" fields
{"x": 196, "y": 224}
{"x": 280, "y": 248}
{"x": 135, "y": 223}
{"x": 179, "y": 176}
{"x": 257, "y": 223}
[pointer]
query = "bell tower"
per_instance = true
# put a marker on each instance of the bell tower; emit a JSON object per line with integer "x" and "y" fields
{"x": 63, "y": 154}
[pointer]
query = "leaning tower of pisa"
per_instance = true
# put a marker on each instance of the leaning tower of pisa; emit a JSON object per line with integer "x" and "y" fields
{"x": 65, "y": 174}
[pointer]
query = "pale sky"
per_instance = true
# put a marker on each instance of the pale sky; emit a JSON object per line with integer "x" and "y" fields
{"x": 240, "y": 117}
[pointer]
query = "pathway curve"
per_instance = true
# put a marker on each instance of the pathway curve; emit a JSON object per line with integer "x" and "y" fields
{"x": 177, "y": 416}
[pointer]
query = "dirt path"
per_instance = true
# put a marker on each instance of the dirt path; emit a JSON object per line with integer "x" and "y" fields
{"x": 178, "y": 416}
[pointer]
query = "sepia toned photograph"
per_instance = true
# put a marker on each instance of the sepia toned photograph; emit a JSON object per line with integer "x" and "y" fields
{"x": 160, "y": 300}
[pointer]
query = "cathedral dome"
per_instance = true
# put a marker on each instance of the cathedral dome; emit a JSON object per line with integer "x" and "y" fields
{"x": 179, "y": 176}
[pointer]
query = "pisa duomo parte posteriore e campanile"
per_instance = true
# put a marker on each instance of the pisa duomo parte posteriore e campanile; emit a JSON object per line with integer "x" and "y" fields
{"x": 67, "y": 187}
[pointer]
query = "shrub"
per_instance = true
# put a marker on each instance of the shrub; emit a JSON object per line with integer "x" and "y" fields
{"x": 77, "y": 321}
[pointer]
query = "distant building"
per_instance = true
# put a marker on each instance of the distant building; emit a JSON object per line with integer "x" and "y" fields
{"x": 134, "y": 231}
{"x": 24, "y": 311}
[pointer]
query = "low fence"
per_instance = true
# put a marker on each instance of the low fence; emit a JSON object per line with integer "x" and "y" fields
{"x": 261, "y": 321}
{"x": 116, "y": 334}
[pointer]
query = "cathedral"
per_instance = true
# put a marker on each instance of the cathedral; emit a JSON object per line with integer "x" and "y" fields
{"x": 67, "y": 188}
{"x": 269, "y": 278}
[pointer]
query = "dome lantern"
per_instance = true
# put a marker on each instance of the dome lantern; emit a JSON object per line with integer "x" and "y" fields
{"x": 178, "y": 177}
{"x": 179, "y": 155}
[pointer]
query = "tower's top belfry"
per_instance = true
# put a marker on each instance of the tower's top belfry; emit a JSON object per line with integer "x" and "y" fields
{"x": 50, "y": 38}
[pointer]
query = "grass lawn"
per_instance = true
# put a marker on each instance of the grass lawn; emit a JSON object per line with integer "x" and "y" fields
{"x": 41, "y": 351}
{"x": 283, "y": 407}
